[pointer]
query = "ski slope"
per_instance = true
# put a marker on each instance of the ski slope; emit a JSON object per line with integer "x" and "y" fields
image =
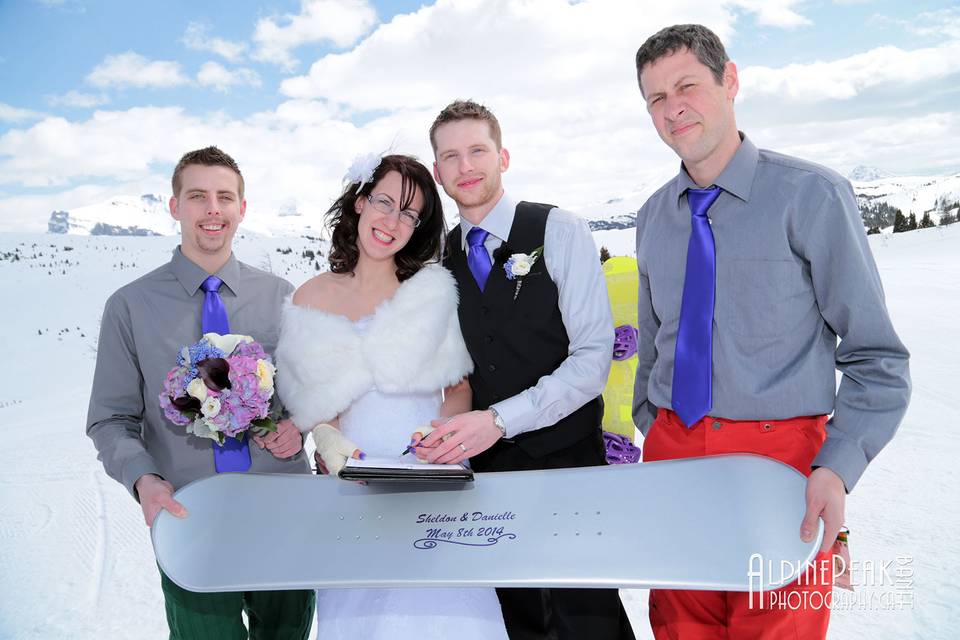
{"x": 75, "y": 556}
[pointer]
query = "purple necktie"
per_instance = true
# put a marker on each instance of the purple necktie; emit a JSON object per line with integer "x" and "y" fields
{"x": 692, "y": 392}
{"x": 234, "y": 455}
{"x": 477, "y": 258}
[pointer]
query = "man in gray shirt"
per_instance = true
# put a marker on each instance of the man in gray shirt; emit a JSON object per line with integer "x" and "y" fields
{"x": 145, "y": 325}
{"x": 752, "y": 264}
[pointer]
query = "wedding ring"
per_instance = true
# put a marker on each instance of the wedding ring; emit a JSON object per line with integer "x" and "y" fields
{"x": 462, "y": 448}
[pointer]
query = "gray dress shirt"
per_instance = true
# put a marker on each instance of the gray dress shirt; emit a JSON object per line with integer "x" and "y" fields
{"x": 794, "y": 273}
{"x": 574, "y": 266}
{"x": 144, "y": 326}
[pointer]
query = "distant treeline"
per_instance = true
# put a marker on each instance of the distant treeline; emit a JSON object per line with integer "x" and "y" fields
{"x": 877, "y": 215}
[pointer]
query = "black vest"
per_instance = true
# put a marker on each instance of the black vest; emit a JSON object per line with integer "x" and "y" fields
{"x": 515, "y": 342}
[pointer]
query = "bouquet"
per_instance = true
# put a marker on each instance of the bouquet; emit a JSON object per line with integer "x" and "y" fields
{"x": 221, "y": 386}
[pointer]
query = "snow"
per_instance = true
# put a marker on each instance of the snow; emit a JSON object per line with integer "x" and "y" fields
{"x": 75, "y": 556}
{"x": 147, "y": 214}
{"x": 910, "y": 194}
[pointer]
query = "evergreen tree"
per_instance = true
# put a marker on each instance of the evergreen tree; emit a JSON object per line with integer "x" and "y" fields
{"x": 946, "y": 219}
{"x": 604, "y": 255}
{"x": 926, "y": 222}
{"x": 879, "y": 214}
{"x": 912, "y": 222}
{"x": 872, "y": 231}
{"x": 900, "y": 223}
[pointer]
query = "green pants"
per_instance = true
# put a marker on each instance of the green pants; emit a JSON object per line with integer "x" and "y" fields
{"x": 272, "y": 615}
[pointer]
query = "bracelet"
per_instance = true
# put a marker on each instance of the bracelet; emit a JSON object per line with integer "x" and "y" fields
{"x": 498, "y": 422}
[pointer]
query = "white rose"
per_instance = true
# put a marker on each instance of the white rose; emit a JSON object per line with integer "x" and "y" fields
{"x": 210, "y": 407}
{"x": 521, "y": 267}
{"x": 203, "y": 428}
{"x": 197, "y": 389}
{"x": 226, "y": 343}
{"x": 265, "y": 372}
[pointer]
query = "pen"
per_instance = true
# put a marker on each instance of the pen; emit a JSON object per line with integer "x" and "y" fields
{"x": 412, "y": 446}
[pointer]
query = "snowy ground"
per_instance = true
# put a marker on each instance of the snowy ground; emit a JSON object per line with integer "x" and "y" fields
{"x": 75, "y": 556}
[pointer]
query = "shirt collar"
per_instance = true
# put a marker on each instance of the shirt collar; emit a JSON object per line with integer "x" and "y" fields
{"x": 190, "y": 275}
{"x": 736, "y": 178}
{"x": 498, "y": 221}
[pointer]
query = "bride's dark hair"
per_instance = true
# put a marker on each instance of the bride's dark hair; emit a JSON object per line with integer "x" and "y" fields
{"x": 424, "y": 244}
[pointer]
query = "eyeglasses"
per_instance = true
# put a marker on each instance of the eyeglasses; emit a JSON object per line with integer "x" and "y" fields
{"x": 385, "y": 206}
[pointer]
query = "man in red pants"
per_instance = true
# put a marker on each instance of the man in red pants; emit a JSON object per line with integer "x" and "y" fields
{"x": 752, "y": 265}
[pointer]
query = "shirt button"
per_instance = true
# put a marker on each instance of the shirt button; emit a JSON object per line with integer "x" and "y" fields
{"x": 716, "y": 425}
{"x": 484, "y": 310}
{"x": 488, "y": 339}
{"x": 492, "y": 367}
{"x": 767, "y": 427}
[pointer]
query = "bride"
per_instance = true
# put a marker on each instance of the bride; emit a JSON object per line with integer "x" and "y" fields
{"x": 364, "y": 352}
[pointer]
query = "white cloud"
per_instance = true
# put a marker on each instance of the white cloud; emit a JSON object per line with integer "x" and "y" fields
{"x": 133, "y": 70}
{"x": 944, "y": 22}
{"x": 560, "y": 77}
{"x": 197, "y": 37}
{"x": 846, "y": 78}
{"x": 67, "y": 6}
{"x": 340, "y": 22}
{"x": 498, "y": 48}
{"x": 214, "y": 74}
{"x": 9, "y": 113}
{"x": 774, "y": 13}
{"x": 78, "y": 100}
{"x": 895, "y": 143}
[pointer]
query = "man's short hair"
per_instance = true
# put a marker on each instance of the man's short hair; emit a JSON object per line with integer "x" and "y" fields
{"x": 696, "y": 38}
{"x": 208, "y": 157}
{"x": 463, "y": 110}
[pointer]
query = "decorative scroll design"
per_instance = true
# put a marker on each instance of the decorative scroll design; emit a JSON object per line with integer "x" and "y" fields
{"x": 430, "y": 543}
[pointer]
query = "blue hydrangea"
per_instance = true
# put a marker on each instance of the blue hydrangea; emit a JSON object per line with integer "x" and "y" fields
{"x": 199, "y": 352}
{"x": 508, "y": 267}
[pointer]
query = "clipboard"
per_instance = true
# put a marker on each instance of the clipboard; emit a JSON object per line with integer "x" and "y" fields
{"x": 389, "y": 469}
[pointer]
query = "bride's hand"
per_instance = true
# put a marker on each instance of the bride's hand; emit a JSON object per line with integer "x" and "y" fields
{"x": 420, "y": 433}
{"x": 333, "y": 449}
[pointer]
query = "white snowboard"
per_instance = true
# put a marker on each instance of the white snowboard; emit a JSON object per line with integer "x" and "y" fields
{"x": 701, "y": 523}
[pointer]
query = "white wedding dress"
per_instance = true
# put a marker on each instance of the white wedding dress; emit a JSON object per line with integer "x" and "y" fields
{"x": 381, "y": 424}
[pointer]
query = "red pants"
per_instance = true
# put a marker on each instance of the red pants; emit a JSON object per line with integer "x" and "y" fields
{"x": 716, "y": 615}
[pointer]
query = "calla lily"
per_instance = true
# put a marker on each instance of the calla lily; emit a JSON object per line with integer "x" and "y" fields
{"x": 226, "y": 343}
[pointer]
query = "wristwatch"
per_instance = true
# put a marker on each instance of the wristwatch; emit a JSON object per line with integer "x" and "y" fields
{"x": 498, "y": 423}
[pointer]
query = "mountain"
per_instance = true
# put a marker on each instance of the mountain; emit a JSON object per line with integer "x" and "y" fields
{"x": 863, "y": 173}
{"x": 911, "y": 194}
{"x": 872, "y": 186}
{"x": 147, "y": 215}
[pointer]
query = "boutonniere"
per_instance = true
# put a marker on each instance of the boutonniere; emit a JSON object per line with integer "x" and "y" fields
{"x": 518, "y": 265}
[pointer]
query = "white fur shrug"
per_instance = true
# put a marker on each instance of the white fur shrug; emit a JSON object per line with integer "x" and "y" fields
{"x": 413, "y": 344}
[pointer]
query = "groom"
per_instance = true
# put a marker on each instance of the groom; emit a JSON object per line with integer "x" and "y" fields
{"x": 145, "y": 324}
{"x": 539, "y": 330}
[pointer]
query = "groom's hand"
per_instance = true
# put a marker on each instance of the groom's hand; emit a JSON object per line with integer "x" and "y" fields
{"x": 460, "y": 437}
{"x": 826, "y": 496}
{"x": 155, "y": 493}
{"x": 285, "y": 442}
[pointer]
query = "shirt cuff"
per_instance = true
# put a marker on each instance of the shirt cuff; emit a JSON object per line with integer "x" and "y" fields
{"x": 843, "y": 457}
{"x": 518, "y": 414}
{"x": 135, "y": 469}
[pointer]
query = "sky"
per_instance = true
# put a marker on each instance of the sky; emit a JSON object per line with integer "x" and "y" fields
{"x": 101, "y": 98}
